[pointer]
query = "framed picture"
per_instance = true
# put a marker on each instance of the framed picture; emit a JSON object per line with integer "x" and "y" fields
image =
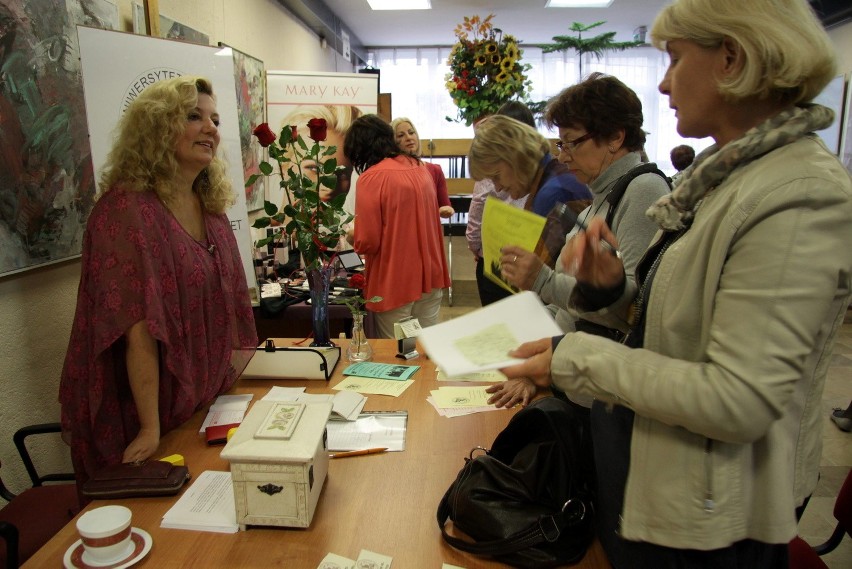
{"x": 169, "y": 29}
{"x": 47, "y": 186}
{"x": 250, "y": 80}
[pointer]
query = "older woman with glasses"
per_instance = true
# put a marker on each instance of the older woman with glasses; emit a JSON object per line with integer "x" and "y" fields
{"x": 600, "y": 141}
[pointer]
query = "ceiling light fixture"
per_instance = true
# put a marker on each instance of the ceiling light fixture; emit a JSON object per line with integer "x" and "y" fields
{"x": 578, "y": 3}
{"x": 401, "y": 4}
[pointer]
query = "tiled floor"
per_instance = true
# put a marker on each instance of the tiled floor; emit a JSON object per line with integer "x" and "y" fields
{"x": 818, "y": 521}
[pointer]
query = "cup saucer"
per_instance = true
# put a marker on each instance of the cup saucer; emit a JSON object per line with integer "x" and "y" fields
{"x": 141, "y": 543}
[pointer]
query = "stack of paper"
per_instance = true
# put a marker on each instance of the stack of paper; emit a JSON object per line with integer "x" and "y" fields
{"x": 365, "y": 559}
{"x": 481, "y": 340}
{"x": 207, "y": 505}
{"x": 488, "y": 376}
{"x": 458, "y": 401}
{"x": 376, "y": 429}
{"x": 227, "y": 409}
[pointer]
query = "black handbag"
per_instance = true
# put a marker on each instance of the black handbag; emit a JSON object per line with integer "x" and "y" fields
{"x": 525, "y": 502}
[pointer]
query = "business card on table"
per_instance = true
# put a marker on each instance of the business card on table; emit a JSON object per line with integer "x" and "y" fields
{"x": 371, "y": 560}
{"x": 334, "y": 561}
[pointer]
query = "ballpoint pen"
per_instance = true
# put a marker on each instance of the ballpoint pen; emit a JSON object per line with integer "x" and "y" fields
{"x": 357, "y": 452}
{"x": 605, "y": 244}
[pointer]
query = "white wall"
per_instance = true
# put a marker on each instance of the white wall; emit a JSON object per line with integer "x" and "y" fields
{"x": 37, "y": 306}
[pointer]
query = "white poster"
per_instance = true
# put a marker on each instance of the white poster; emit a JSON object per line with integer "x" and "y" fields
{"x": 294, "y": 98}
{"x": 118, "y": 66}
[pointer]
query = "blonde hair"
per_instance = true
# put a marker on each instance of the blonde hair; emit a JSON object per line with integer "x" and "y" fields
{"x": 502, "y": 139}
{"x": 337, "y": 117}
{"x": 398, "y": 121}
{"x": 143, "y": 156}
{"x": 787, "y": 56}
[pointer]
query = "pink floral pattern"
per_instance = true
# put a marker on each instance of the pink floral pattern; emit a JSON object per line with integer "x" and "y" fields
{"x": 139, "y": 263}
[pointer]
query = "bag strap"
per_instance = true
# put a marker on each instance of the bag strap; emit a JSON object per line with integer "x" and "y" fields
{"x": 545, "y": 529}
{"x": 617, "y": 192}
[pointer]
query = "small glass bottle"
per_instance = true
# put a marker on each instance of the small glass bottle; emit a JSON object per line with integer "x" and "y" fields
{"x": 359, "y": 349}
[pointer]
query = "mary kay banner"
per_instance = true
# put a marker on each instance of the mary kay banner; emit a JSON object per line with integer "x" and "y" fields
{"x": 118, "y": 66}
{"x": 294, "y": 98}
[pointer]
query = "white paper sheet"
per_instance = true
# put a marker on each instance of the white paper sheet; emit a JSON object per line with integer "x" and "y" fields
{"x": 480, "y": 340}
{"x": 207, "y": 505}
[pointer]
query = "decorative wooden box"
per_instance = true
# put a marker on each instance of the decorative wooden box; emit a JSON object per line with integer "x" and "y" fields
{"x": 279, "y": 461}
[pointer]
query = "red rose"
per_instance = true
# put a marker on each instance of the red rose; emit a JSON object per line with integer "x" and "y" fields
{"x": 318, "y": 128}
{"x": 358, "y": 281}
{"x": 294, "y": 132}
{"x": 264, "y": 134}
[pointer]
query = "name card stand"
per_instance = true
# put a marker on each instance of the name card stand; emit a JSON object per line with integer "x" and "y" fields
{"x": 406, "y": 332}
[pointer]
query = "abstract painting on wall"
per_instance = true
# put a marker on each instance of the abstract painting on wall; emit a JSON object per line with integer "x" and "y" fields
{"x": 47, "y": 186}
{"x": 169, "y": 29}
{"x": 251, "y": 102}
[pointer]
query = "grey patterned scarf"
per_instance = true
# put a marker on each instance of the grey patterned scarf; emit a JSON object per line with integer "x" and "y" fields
{"x": 715, "y": 164}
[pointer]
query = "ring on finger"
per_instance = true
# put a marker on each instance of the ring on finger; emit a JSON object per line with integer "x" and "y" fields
{"x": 515, "y": 258}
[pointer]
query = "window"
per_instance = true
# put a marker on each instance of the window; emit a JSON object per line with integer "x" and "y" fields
{"x": 416, "y": 78}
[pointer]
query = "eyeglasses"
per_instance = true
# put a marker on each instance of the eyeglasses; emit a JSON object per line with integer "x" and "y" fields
{"x": 572, "y": 144}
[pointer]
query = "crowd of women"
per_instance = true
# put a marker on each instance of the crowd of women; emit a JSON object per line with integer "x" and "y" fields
{"x": 697, "y": 354}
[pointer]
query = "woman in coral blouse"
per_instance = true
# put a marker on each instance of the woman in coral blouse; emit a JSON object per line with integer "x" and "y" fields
{"x": 397, "y": 229}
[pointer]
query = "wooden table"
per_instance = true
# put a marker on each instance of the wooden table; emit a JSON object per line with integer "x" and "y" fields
{"x": 385, "y": 503}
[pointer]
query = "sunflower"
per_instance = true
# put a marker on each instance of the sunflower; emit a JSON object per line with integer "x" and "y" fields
{"x": 512, "y": 51}
{"x": 495, "y": 72}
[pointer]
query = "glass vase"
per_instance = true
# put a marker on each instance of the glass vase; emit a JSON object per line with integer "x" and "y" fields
{"x": 318, "y": 283}
{"x": 359, "y": 349}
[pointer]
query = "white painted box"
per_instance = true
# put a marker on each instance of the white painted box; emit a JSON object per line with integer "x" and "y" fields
{"x": 278, "y": 481}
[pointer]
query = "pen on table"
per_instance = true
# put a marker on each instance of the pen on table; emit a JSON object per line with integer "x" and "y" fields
{"x": 357, "y": 452}
{"x": 605, "y": 244}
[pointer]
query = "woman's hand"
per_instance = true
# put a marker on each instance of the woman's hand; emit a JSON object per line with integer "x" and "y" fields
{"x": 512, "y": 392}
{"x": 590, "y": 262}
{"x": 446, "y": 211}
{"x": 519, "y": 266}
{"x": 537, "y": 365}
{"x": 143, "y": 446}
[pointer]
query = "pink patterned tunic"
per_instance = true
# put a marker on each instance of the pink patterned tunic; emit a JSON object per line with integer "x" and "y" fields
{"x": 140, "y": 264}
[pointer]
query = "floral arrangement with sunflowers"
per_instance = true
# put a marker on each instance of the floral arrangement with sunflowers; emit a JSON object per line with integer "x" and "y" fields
{"x": 485, "y": 70}
{"x": 316, "y": 224}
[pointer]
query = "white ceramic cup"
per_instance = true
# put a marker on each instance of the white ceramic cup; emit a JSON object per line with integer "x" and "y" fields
{"x": 105, "y": 533}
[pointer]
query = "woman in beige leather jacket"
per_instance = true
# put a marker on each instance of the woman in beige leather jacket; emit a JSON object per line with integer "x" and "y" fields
{"x": 706, "y": 423}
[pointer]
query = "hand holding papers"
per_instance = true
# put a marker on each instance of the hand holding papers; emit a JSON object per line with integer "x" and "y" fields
{"x": 482, "y": 339}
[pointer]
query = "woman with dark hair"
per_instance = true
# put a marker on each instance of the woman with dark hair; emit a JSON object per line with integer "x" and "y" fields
{"x": 163, "y": 322}
{"x": 398, "y": 229}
